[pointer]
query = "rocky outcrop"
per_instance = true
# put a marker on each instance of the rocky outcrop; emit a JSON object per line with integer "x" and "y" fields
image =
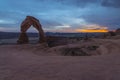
{"x": 118, "y": 31}
{"x": 80, "y": 51}
{"x": 53, "y": 41}
{"x": 25, "y": 25}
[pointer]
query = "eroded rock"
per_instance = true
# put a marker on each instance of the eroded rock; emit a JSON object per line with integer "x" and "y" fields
{"x": 25, "y": 25}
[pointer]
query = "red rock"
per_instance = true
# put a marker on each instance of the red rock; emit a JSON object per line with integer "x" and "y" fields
{"x": 25, "y": 25}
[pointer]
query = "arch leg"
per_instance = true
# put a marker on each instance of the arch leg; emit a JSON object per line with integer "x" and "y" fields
{"x": 23, "y": 39}
{"x": 42, "y": 37}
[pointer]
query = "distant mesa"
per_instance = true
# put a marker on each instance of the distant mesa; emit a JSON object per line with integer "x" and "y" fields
{"x": 25, "y": 25}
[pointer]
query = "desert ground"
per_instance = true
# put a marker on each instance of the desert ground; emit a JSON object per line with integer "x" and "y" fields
{"x": 100, "y": 60}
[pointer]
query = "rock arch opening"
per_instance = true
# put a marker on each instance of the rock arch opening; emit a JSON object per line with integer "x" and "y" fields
{"x": 25, "y": 25}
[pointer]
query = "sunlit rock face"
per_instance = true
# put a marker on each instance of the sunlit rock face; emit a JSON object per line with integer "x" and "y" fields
{"x": 25, "y": 25}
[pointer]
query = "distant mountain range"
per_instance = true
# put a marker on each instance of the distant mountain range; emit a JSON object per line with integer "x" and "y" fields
{"x": 11, "y": 35}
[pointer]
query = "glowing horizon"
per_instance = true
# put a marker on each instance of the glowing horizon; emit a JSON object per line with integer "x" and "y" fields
{"x": 92, "y": 30}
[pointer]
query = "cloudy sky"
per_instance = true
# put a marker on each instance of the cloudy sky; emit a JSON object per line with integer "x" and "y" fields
{"x": 61, "y": 15}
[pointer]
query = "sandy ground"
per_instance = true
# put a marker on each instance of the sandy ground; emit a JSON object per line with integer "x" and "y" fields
{"x": 35, "y": 62}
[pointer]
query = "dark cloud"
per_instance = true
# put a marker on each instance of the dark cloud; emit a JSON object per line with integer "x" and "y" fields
{"x": 78, "y": 3}
{"x": 109, "y": 21}
{"x": 83, "y": 3}
{"x": 50, "y": 24}
{"x": 111, "y": 3}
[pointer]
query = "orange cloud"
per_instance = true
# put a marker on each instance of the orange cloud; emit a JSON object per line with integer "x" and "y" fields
{"x": 92, "y": 30}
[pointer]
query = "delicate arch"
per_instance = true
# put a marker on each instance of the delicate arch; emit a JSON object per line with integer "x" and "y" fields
{"x": 25, "y": 25}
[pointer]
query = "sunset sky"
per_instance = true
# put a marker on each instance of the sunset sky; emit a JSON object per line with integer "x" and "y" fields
{"x": 61, "y": 15}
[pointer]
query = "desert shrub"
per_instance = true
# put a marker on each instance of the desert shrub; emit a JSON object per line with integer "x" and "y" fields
{"x": 118, "y": 31}
{"x": 112, "y": 33}
{"x": 53, "y": 41}
{"x": 74, "y": 52}
{"x": 92, "y": 47}
{"x": 79, "y": 51}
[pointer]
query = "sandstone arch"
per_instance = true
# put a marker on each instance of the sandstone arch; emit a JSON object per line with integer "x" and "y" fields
{"x": 25, "y": 25}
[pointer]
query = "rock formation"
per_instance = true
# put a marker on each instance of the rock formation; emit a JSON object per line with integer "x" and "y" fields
{"x": 26, "y": 24}
{"x": 118, "y": 31}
